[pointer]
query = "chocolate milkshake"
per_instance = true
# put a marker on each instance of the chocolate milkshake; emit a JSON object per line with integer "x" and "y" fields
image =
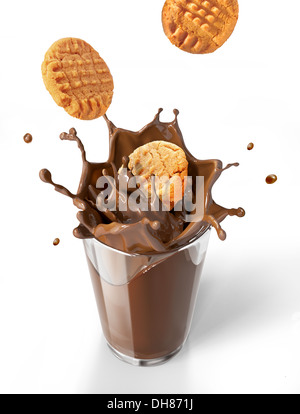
{"x": 145, "y": 265}
{"x": 146, "y": 318}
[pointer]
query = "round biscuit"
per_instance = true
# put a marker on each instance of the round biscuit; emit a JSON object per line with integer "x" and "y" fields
{"x": 198, "y": 26}
{"x": 164, "y": 160}
{"x": 77, "y": 78}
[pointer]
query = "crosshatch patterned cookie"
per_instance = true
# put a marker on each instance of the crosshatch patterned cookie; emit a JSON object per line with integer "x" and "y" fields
{"x": 77, "y": 78}
{"x": 197, "y": 26}
{"x": 163, "y": 160}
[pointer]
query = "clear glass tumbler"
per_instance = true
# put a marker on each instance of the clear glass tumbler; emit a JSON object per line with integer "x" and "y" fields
{"x": 146, "y": 302}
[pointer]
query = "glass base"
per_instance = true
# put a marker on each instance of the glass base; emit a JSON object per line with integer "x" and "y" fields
{"x": 143, "y": 362}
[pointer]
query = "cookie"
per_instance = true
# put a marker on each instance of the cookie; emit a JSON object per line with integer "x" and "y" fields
{"x": 77, "y": 78}
{"x": 164, "y": 160}
{"x": 197, "y": 26}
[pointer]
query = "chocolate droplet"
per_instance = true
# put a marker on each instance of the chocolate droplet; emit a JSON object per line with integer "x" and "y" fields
{"x": 222, "y": 234}
{"x": 45, "y": 175}
{"x": 56, "y": 242}
{"x": 250, "y": 146}
{"x": 271, "y": 179}
{"x": 241, "y": 212}
{"x": 27, "y": 138}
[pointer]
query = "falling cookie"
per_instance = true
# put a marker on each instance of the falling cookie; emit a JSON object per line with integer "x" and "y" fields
{"x": 199, "y": 26}
{"x": 163, "y": 160}
{"x": 77, "y": 78}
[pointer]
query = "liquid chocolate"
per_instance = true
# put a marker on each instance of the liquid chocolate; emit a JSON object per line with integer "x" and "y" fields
{"x": 250, "y": 146}
{"x": 56, "y": 242}
{"x": 150, "y": 316}
{"x": 140, "y": 231}
{"x": 27, "y": 138}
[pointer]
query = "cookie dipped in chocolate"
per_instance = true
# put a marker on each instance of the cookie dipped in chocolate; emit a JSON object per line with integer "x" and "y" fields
{"x": 141, "y": 231}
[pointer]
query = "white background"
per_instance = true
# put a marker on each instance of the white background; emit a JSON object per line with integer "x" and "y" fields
{"x": 245, "y": 336}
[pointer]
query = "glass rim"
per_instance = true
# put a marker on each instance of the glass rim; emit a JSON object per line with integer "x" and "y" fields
{"x": 154, "y": 253}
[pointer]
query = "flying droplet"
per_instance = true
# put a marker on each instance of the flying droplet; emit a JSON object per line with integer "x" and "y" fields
{"x": 27, "y": 138}
{"x": 271, "y": 179}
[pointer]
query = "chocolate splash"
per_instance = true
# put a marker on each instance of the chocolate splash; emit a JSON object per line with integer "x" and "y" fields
{"x": 250, "y": 146}
{"x": 139, "y": 231}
